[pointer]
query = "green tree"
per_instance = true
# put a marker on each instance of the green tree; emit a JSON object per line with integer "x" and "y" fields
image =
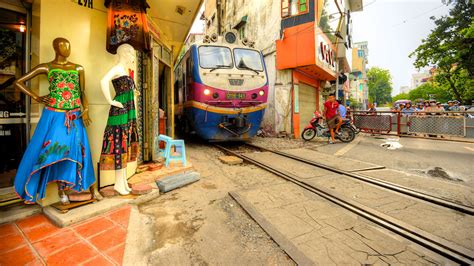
{"x": 450, "y": 48}
{"x": 380, "y": 85}
{"x": 430, "y": 91}
{"x": 401, "y": 96}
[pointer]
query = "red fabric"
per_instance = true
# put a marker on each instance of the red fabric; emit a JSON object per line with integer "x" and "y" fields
{"x": 331, "y": 109}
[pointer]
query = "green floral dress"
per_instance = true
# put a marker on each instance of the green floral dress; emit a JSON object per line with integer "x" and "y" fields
{"x": 64, "y": 89}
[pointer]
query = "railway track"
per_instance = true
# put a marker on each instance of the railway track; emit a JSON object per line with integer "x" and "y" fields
{"x": 450, "y": 250}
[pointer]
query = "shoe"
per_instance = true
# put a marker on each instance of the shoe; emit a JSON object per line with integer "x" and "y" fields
{"x": 331, "y": 142}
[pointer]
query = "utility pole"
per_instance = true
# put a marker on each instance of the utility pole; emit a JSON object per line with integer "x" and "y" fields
{"x": 218, "y": 16}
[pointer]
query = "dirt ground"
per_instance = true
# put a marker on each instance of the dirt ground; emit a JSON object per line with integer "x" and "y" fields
{"x": 201, "y": 224}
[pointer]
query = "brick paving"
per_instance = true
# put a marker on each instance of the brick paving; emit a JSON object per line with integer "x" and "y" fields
{"x": 36, "y": 241}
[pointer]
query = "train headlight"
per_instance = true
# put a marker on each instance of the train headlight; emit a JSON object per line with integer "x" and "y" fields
{"x": 261, "y": 93}
{"x": 215, "y": 95}
{"x": 207, "y": 92}
{"x": 254, "y": 96}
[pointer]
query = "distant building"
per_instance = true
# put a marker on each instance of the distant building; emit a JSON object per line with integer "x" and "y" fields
{"x": 419, "y": 78}
{"x": 358, "y": 75}
{"x": 405, "y": 89}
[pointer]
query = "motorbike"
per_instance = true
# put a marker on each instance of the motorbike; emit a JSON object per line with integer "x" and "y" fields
{"x": 317, "y": 128}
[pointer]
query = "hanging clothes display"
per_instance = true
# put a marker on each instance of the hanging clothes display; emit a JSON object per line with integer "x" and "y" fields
{"x": 120, "y": 144}
{"x": 59, "y": 150}
{"x": 127, "y": 24}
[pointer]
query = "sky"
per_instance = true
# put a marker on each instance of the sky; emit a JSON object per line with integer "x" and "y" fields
{"x": 394, "y": 29}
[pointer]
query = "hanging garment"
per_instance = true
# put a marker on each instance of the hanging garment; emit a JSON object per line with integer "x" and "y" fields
{"x": 59, "y": 150}
{"x": 127, "y": 24}
{"x": 120, "y": 144}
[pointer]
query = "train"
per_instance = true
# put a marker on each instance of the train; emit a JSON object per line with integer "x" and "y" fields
{"x": 221, "y": 89}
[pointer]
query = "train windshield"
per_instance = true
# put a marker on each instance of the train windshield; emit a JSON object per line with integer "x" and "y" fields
{"x": 215, "y": 57}
{"x": 248, "y": 59}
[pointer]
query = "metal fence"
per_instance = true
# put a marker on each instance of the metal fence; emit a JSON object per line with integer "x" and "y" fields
{"x": 421, "y": 124}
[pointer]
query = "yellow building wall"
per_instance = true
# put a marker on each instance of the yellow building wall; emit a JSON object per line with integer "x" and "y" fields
{"x": 86, "y": 29}
{"x": 357, "y": 62}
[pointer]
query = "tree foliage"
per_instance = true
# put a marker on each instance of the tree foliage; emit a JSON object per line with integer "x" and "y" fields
{"x": 429, "y": 91}
{"x": 380, "y": 85}
{"x": 426, "y": 91}
{"x": 401, "y": 96}
{"x": 449, "y": 47}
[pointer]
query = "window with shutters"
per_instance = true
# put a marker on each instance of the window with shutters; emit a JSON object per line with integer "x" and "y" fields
{"x": 291, "y": 8}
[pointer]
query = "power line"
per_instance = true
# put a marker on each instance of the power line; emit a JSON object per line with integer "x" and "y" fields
{"x": 417, "y": 16}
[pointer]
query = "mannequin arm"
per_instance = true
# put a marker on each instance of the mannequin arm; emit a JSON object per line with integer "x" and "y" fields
{"x": 104, "y": 84}
{"x": 85, "y": 104}
{"x": 20, "y": 83}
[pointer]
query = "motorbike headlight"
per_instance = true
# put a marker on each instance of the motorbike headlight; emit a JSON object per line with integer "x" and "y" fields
{"x": 207, "y": 92}
{"x": 261, "y": 93}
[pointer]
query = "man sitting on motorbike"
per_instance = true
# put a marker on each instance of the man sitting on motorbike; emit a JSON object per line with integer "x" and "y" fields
{"x": 332, "y": 115}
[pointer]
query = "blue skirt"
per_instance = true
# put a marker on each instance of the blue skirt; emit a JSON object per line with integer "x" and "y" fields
{"x": 58, "y": 152}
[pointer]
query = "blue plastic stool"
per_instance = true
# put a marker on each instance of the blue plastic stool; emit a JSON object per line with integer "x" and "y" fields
{"x": 167, "y": 140}
{"x": 179, "y": 147}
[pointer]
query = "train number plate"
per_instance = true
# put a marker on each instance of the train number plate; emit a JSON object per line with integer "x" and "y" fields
{"x": 235, "y": 96}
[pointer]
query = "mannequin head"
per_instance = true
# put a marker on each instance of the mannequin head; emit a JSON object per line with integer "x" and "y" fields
{"x": 62, "y": 47}
{"x": 126, "y": 54}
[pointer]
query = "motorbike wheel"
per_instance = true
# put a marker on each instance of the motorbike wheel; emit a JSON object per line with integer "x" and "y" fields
{"x": 308, "y": 134}
{"x": 346, "y": 134}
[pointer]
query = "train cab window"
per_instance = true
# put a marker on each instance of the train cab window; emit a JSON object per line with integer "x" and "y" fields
{"x": 248, "y": 59}
{"x": 215, "y": 57}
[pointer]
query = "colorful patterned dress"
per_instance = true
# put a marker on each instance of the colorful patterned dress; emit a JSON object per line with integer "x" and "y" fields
{"x": 120, "y": 144}
{"x": 59, "y": 150}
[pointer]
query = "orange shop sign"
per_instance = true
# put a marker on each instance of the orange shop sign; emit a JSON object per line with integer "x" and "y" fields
{"x": 326, "y": 55}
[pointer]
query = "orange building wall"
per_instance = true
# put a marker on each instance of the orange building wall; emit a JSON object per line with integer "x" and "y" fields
{"x": 297, "y": 47}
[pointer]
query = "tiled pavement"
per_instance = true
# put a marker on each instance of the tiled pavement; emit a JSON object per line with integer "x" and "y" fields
{"x": 36, "y": 241}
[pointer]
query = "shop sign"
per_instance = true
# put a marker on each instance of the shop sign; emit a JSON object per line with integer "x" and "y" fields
{"x": 5, "y": 132}
{"x": 296, "y": 98}
{"x": 326, "y": 55}
{"x": 87, "y": 3}
{"x": 4, "y": 114}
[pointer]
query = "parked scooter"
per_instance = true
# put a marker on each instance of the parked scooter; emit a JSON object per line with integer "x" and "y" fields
{"x": 317, "y": 128}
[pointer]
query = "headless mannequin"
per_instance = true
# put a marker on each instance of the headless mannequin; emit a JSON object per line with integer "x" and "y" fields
{"x": 62, "y": 48}
{"x": 126, "y": 57}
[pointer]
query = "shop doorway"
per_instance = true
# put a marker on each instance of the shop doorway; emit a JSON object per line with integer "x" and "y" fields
{"x": 156, "y": 100}
{"x": 307, "y": 103}
{"x": 13, "y": 104}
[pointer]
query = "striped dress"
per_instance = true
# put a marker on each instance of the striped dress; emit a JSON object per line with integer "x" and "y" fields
{"x": 120, "y": 144}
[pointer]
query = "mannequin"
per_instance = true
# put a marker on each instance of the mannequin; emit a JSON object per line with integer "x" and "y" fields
{"x": 120, "y": 136}
{"x": 59, "y": 149}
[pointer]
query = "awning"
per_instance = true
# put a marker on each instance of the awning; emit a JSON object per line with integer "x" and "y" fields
{"x": 174, "y": 18}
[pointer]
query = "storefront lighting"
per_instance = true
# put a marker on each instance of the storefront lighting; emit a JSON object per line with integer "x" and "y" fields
{"x": 22, "y": 28}
{"x": 261, "y": 93}
{"x": 207, "y": 92}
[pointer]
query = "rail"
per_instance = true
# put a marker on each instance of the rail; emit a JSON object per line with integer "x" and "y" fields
{"x": 441, "y": 246}
{"x": 381, "y": 183}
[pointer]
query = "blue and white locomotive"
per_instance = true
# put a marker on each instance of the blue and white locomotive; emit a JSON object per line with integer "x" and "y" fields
{"x": 221, "y": 89}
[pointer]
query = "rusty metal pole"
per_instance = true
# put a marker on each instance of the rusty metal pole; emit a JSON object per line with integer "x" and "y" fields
{"x": 218, "y": 16}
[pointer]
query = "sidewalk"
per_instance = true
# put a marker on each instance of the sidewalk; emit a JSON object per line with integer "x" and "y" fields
{"x": 36, "y": 241}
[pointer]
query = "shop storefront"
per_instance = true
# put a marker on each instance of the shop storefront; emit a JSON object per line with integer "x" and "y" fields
{"x": 310, "y": 34}
{"x": 30, "y": 28}
{"x": 14, "y": 123}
